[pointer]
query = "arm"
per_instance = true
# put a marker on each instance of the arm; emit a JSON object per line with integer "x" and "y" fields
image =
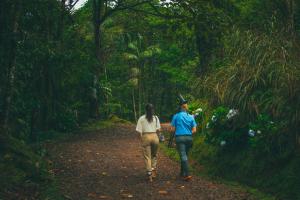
{"x": 139, "y": 127}
{"x": 194, "y": 130}
{"x": 158, "y": 127}
{"x": 194, "y": 125}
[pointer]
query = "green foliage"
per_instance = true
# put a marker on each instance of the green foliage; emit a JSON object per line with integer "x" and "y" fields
{"x": 241, "y": 54}
{"x": 230, "y": 150}
{"x": 22, "y": 168}
{"x": 262, "y": 76}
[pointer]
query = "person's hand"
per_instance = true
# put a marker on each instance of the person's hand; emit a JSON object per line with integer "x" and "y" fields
{"x": 171, "y": 129}
{"x": 194, "y": 130}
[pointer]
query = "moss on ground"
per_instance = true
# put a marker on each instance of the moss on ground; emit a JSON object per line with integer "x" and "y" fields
{"x": 94, "y": 125}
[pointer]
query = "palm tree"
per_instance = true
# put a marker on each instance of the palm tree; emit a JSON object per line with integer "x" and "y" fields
{"x": 138, "y": 56}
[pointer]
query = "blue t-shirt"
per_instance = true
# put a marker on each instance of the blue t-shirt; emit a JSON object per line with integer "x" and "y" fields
{"x": 183, "y": 123}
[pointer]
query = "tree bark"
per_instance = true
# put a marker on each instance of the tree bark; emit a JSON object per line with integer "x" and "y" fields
{"x": 291, "y": 5}
{"x": 133, "y": 103}
{"x": 97, "y": 8}
{"x": 11, "y": 64}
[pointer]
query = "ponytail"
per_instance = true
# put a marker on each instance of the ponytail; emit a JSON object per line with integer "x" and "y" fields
{"x": 149, "y": 112}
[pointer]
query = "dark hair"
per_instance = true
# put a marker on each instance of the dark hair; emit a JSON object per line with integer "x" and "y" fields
{"x": 149, "y": 112}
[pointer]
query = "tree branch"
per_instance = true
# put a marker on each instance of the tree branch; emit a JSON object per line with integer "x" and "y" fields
{"x": 158, "y": 14}
{"x": 119, "y": 8}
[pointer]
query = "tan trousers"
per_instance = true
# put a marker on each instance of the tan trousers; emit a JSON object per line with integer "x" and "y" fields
{"x": 150, "y": 143}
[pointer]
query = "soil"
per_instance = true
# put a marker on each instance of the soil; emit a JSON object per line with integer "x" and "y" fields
{"x": 108, "y": 164}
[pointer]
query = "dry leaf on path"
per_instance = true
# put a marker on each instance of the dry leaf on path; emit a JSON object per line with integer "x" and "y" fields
{"x": 94, "y": 195}
{"x": 126, "y": 194}
{"x": 162, "y": 192}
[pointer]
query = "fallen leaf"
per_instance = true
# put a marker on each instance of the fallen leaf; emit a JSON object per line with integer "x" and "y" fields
{"x": 126, "y": 194}
{"x": 162, "y": 192}
{"x": 103, "y": 197}
{"x": 92, "y": 195}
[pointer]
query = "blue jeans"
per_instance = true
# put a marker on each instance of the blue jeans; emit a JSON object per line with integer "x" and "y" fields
{"x": 184, "y": 144}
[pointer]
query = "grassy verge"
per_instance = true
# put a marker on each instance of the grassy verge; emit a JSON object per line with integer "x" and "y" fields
{"x": 95, "y": 125}
{"x": 200, "y": 171}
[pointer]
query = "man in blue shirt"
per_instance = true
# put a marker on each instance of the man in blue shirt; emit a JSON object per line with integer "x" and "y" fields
{"x": 184, "y": 126}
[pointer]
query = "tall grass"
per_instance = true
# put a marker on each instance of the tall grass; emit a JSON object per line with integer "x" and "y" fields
{"x": 261, "y": 74}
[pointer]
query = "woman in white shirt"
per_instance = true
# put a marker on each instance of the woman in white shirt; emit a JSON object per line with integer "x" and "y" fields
{"x": 147, "y": 126}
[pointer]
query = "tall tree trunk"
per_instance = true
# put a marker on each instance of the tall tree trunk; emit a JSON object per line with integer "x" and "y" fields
{"x": 140, "y": 88}
{"x": 133, "y": 103}
{"x": 140, "y": 98}
{"x": 291, "y": 9}
{"x": 97, "y": 8}
{"x": 62, "y": 19}
{"x": 11, "y": 64}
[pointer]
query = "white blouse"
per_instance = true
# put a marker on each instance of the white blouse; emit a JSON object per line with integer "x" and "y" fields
{"x": 143, "y": 126}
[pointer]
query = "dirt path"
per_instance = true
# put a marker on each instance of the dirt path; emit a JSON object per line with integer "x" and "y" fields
{"x": 108, "y": 164}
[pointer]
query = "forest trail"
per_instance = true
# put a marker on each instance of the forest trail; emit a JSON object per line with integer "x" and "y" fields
{"x": 108, "y": 164}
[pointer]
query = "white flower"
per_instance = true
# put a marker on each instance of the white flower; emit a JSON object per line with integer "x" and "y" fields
{"x": 207, "y": 125}
{"x": 214, "y": 118}
{"x": 251, "y": 133}
{"x": 223, "y": 143}
{"x": 199, "y": 110}
{"x": 258, "y": 132}
{"x": 232, "y": 113}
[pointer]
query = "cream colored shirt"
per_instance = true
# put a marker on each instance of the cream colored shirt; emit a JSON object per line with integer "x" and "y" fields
{"x": 143, "y": 126}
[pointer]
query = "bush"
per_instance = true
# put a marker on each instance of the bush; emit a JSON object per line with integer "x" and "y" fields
{"x": 254, "y": 152}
